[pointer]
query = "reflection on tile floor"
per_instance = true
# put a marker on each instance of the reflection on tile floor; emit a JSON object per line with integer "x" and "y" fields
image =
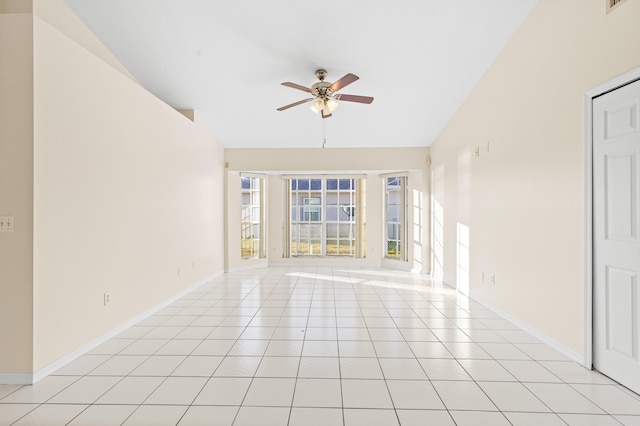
{"x": 322, "y": 346}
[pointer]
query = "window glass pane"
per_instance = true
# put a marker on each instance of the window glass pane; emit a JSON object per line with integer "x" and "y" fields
{"x": 332, "y": 214}
{"x": 303, "y": 232}
{"x": 316, "y": 184}
{"x": 332, "y": 248}
{"x": 345, "y": 184}
{"x": 244, "y": 231}
{"x": 332, "y": 198}
{"x": 394, "y": 198}
{"x": 390, "y": 234}
{"x": 245, "y": 182}
{"x": 393, "y": 214}
{"x": 332, "y": 230}
{"x": 344, "y": 214}
{"x": 392, "y": 248}
{"x": 294, "y": 215}
{"x": 245, "y": 248}
{"x": 303, "y": 184}
{"x": 315, "y": 231}
{"x": 346, "y": 231}
{"x": 345, "y": 199}
{"x": 294, "y": 184}
{"x": 311, "y": 210}
{"x": 332, "y": 184}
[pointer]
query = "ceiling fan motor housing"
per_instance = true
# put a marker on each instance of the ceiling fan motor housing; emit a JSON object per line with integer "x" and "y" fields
{"x": 321, "y": 89}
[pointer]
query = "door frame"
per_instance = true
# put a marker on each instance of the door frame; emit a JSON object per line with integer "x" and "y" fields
{"x": 613, "y": 84}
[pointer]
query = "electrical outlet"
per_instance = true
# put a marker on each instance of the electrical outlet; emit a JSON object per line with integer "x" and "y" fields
{"x": 493, "y": 279}
{"x": 477, "y": 152}
{"x": 107, "y": 298}
{"x": 7, "y": 223}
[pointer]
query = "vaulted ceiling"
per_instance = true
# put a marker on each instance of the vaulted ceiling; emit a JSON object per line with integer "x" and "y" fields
{"x": 419, "y": 59}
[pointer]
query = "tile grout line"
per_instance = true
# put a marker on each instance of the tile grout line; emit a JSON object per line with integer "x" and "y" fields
{"x": 416, "y": 358}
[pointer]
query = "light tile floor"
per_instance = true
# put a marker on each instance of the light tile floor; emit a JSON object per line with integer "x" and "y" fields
{"x": 322, "y": 346}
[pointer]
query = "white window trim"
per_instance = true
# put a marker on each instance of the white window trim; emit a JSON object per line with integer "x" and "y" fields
{"x": 403, "y": 216}
{"x": 262, "y": 252}
{"x": 358, "y": 244}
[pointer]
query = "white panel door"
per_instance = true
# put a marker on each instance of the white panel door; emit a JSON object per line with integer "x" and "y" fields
{"x": 616, "y": 246}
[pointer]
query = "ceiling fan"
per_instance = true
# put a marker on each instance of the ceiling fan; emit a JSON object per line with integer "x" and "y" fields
{"x": 325, "y": 99}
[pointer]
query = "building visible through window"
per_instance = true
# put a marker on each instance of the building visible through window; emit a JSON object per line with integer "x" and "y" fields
{"x": 322, "y": 219}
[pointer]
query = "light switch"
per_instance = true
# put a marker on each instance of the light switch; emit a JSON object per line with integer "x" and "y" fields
{"x": 7, "y": 223}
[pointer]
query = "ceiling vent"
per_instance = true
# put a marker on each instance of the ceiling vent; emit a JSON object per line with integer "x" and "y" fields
{"x": 613, "y": 4}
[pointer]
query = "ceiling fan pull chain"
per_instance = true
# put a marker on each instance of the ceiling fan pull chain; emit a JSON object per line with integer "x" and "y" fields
{"x": 324, "y": 133}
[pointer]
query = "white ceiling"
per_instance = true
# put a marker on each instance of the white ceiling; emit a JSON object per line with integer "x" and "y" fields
{"x": 226, "y": 59}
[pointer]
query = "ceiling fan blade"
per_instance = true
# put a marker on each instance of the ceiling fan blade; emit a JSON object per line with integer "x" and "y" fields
{"x": 296, "y": 86}
{"x": 347, "y": 79}
{"x": 355, "y": 98}
{"x": 295, "y": 104}
{"x": 325, "y": 115}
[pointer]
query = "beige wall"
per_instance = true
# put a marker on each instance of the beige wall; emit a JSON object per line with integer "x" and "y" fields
{"x": 16, "y": 6}
{"x": 523, "y": 200}
{"x": 111, "y": 190}
{"x": 355, "y": 159}
{"x": 128, "y": 198}
{"x": 365, "y": 161}
{"x": 16, "y": 191}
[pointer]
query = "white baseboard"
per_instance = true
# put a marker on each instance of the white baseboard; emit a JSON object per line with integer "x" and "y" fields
{"x": 569, "y": 353}
{"x": 29, "y": 379}
{"x": 306, "y": 264}
{"x": 16, "y": 378}
{"x": 247, "y": 267}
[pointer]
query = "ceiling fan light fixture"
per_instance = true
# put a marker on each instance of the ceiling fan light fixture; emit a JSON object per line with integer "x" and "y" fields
{"x": 317, "y": 105}
{"x": 330, "y": 105}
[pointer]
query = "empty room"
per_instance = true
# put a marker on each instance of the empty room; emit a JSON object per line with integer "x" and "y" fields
{"x": 320, "y": 213}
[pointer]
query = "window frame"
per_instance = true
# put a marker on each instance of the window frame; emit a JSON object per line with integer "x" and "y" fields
{"x": 296, "y": 214}
{"x": 256, "y": 217}
{"x": 399, "y": 223}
